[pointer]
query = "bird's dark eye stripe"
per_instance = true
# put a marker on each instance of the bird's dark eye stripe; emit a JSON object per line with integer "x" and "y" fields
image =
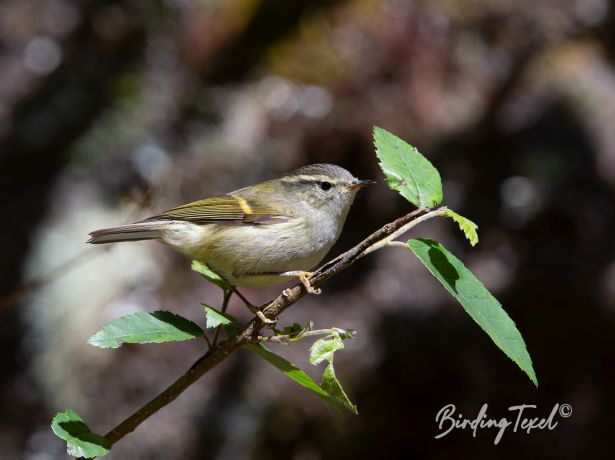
{"x": 324, "y": 185}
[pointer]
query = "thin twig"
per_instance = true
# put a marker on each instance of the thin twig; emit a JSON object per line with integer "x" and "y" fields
{"x": 349, "y": 257}
{"x": 227, "y": 297}
{"x": 399, "y": 244}
{"x": 272, "y": 310}
{"x": 301, "y": 335}
{"x": 387, "y": 241}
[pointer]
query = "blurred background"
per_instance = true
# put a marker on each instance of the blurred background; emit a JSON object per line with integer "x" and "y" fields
{"x": 113, "y": 110}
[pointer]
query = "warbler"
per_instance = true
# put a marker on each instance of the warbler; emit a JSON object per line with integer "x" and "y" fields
{"x": 259, "y": 235}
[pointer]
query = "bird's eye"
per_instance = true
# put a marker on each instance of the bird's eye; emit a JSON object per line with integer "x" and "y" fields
{"x": 326, "y": 185}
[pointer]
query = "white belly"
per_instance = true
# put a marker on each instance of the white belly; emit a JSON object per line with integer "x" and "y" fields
{"x": 252, "y": 255}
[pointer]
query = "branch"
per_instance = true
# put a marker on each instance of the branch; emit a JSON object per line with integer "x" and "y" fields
{"x": 388, "y": 241}
{"x": 271, "y": 310}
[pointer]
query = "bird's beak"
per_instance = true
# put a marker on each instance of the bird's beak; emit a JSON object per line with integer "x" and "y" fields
{"x": 359, "y": 184}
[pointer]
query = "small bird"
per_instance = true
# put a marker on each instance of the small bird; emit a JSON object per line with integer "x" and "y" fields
{"x": 259, "y": 235}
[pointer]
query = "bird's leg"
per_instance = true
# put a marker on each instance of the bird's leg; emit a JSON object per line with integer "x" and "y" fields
{"x": 304, "y": 278}
{"x": 253, "y": 308}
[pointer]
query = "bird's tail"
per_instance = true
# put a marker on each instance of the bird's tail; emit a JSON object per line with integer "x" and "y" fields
{"x": 131, "y": 232}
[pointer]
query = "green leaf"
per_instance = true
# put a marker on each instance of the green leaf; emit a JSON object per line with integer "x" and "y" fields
{"x": 80, "y": 441}
{"x": 466, "y": 225}
{"x": 475, "y": 299}
{"x": 291, "y": 371}
{"x": 142, "y": 327}
{"x": 209, "y": 275}
{"x": 407, "y": 171}
{"x": 332, "y": 386}
{"x": 215, "y": 317}
{"x": 324, "y": 348}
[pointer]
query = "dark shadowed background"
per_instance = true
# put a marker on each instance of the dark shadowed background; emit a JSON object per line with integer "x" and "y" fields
{"x": 113, "y": 110}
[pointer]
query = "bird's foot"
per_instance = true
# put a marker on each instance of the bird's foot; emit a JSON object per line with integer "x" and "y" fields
{"x": 254, "y": 309}
{"x": 304, "y": 278}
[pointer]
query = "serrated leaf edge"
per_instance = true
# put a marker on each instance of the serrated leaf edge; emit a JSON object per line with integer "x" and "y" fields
{"x": 471, "y": 233}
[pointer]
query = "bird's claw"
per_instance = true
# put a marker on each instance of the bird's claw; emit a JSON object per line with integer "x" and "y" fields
{"x": 303, "y": 277}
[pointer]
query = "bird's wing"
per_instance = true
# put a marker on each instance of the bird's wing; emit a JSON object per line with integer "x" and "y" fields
{"x": 224, "y": 208}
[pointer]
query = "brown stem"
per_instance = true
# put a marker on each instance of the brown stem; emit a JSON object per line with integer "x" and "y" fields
{"x": 271, "y": 311}
{"x": 227, "y": 296}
